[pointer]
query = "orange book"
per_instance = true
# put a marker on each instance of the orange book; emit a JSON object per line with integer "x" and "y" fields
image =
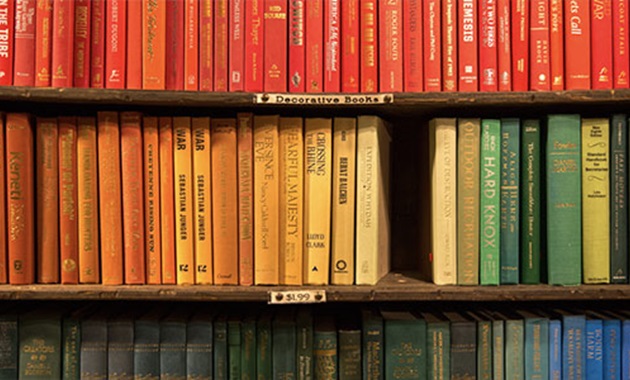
{"x": 245, "y": 199}
{"x": 183, "y": 171}
{"x": 167, "y": 197}
{"x": 266, "y": 198}
{"x": 3, "y": 208}
{"x": 134, "y": 44}
{"x": 153, "y": 253}
{"x": 47, "y": 156}
{"x": 153, "y": 44}
{"x": 110, "y": 198}
{"x": 191, "y": 52}
{"x": 202, "y": 178}
{"x": 20, "y": 192}
{"x": 132, "y": 196}
{"x": 87, "y": 193}
{"x": 68, "y": 218}
{"x": 224, "y": 199}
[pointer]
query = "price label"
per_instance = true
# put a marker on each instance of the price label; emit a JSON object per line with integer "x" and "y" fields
{"x": 296, "y": 297}
{"x": 323, "y": 99}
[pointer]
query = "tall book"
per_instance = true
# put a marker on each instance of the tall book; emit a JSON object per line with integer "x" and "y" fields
{"x": 275, "y": 45}
{"x": 317, "y": 199}
{"x": 7, "y": 30}
{"x": 413, "y": 64}
{"x": 349, "y": 349}
{"x": 488, "y": 41}
{"x": 266, "y": 198}
{"x": 564, "y": 207}
{"x": 47, "y": 206}
{"x": 504, "y": 45}
{"x": 350, "y": 58}
{"x": 94, "y": 346}
{"x": 153, "y": 45}
{"x": 134, "y": 53}
{"x": 264, "y": 346}
{"x": 220, "y": 349}
{"x": 206, "y": 45}
{"x": 602, "y": 74}
{"x": 573, "y": 344}
{"x": 468, "y": 34}
{"x": 245, "y": 198}
{"x": 203, "y": 200}
{"x": 530, "y": 202}
{"x": 71, "y": 343}
{"x": 174, "y": 65}
{"x": 9, "y": 345}
{"x": 405, "y": 344}
{"x": 24, "y": 43}
{"x": 555, "y": 349}
{"x": 68, "y": 217}
{"x": 372, "y": 345}
{"x": 52, "y": 265}
{"x": 314, "y": 64}
{"x": 332, "y": 46}
{"x": 191, "y": 45}
{"x": 489, "y": 246}
{"x": 146, "y": 345}
{"x": 248, "y": 347}
{"x": 325, "y": 349}
{"x": 234, "y": 348}
{"x": 225, "y": 202}
{"x": 468, "y": 159}
{"x": 152, "y": 214}
{"x": 254, "y": 43}
{"x": 620, "y": 35}
{"x": 343, "y": 200}
{"x": 539, "y": 78}
{"x": 63, "y": 31}
{"x": 304, "y": 325}
{"x": 463, "y": 345}
{"x": 514, "y": 346}
{"x": 82, "y": 43}
{"x": 291, "y": 200}
{"x": 390, "y": 27}
{"x": 40, "y": 345}
{"x": 43, "y": 46}
{"x": 556, "y": 44}
{"x": 369, "y": 45}
{"x": 184, "y": 207}
{"x": 115, "y": 44}
{"x": 594, "y": 365}
{"x": 484, "y": 345}
{"x": 199, "y": 346}
{"x": 449, "y": 45}
{"x": 520, "y": 44}
{"x": 442, "y": 160}
{"x": 97, "y": 47}
{"x": 577, "y": 43}
{"x": 372, "y": 236}
{"x": 432, "y": 54}
{"x": 536, "y": 344}
{"x": 120, "y": 346}
{"x": 618, "y": 199}
{"x": 284, "y": 337}
{"x": 167, "y": 201}
{"x": 237, "y": 45}
{"x": 173, "y": 346}
{"x": 438, "y": 346}
{"x": 596, "y": 201}
{"x": 509, "y": 200}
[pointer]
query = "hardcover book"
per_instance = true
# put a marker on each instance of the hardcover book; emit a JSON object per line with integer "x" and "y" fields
{"x": 47, "y": 207}
{"x": 489, "y": 251}
{"x": 618, "y": 199}
{"x": 202, "y": 215}
{"x": 509, "y": 200}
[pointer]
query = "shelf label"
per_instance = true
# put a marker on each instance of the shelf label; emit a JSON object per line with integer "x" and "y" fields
{"x": 296, "y": 297}
{"x": 323, "y": 99}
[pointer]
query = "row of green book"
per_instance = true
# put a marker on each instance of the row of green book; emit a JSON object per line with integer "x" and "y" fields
{"x": 513, "y": 200}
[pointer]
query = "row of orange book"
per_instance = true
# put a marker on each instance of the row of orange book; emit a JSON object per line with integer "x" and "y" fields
{"x": 123, "y": 198}
{"x": 316, "y": 46}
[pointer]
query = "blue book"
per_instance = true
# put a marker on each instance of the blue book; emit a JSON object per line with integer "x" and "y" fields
{"x": 146, "y": 351}
{"x": 573, "y": 346}
{"x": 594, "y": 349}
{"x": 611, "y": 342}
{"x": 536, "y": 345}
{"x": 510, "y": 169}
{"x": 173, "y": 346}
{"x": 555, "y": 349}
{"x": 199, "y": 346}
{"x": 625, "y": 349}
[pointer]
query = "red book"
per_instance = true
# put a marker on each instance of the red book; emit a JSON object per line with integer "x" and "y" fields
{"x": 221, "y": 45}
{"x": 237, "y": 46}
{"x": 314, "y": 46}
{"x": 504, "y": 47}
{"x": 115, "y": 44}
{"x": 206, "y": 45}
{"x": 520, "y": 45}
{"x": 43, "y": 47}
{"x": 432, "y": 46}
{"x": 449, "y": 44}
{"x": 412, "y": 47}
{"x": 68, "y": 217}
{"x": 245, "y": 198}
{"x": 62, "y": 54}
{"x": 296, "y": 46}
{"x": 350, "y": 46}
{"x": 47, "y": 206}
{"x": 468, "y": 54}
{"x": 577, "y": 40}
{"x": 332, "y": 46}
{"x": 556, "y": 44}
{"x": 82, "y": 43}
{"x": 167, "y": 200}
{"x": 601, "y": 44}
{"x": 391, "y": 44}
{"x": 540, "y": 70}
{"x": 153, "y": 45}
{"x": 369, "y": 45}
{"x": 54, "y": 259}
{"x": 175, "y": 44}
{"x": 134, "y": 45}
{"x": 621, "y": 60}
{"x": 24, "y": 72}
{"x": 97, "y": 48}
{"x": 275, "y": 65}
{"x": 7, "y": 20}
{"x": 488, "y": 45}
{"x": 254, "y": 43}
{"x": 191, "y": 52}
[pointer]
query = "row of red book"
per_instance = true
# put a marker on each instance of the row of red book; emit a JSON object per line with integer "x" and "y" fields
{"x": 316, "y": 46}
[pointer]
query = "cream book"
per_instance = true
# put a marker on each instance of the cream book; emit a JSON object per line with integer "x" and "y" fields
{"x": 372, "y": 212}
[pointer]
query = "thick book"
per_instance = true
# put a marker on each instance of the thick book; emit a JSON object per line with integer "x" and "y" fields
{"x": 134, "y": 53}
{"x": 317, "y": 199}
{"x": 564, "y": 200}
{"x": 438, "y": 346}
{"x": 405, "y": 344}
{"x": 40, "y": 345}
{"x": 349, "y": 351}
{"x": 234, "y": 348}
{"x": 449, "y": 45}
{"x": 284, "y": 343}
{"x": 120, "y": 346}
{"x": 489, "y": 246}
{"x": 509, "y": 200}
{"x": 191, "y": 45}
{"x": 443, "y": 161}
{"x": 514, "y": 346}
{"x": 536, "y": 344}
{"x": 62, "y": 53}
{"x": 618, "y": 199}
{"x": 620, "y": 35}
{"x": 577, "y": 43}
{"x": 350, "y": 35}
{"x": 237, "y": 44}
{"x": 372, "y": 345}
{"x": 556, "y": 44}
{"x": 539, "y": 63}
{"x": 115, "y": 44}
{"x": 174, "y": 65}
{"x": 573, "y": 344}
{"x": 220, "y": 349}
{"x": 520, "y": 44}
{"x": 468, "y": 45}
{"x": 368, "y": 45}
{"x": 275, "y": 45}
{"x": 304, "y": 352}
{"x": 488, "y": 42}
{"x": 47, "y": 203}
{"x": 332, "y": 46}
{"x": 264, "y": 347}
{"x": 167, "y": 200}
{"x": 24, "y": 43}
{"x": 245, "y": 154}
{"x": 152, "y": 215}
{"x": 203, "y": 199}
{"x": 432, "y": 49}
{"x": 601, "y": 45}
{"x": 254, "y": 52}
{"x": 504, "y": 45}
{"x": 7, "y": 9}
{"x": 206, "y": 45}
{"x": 611, "y": 341}
{"x": 325, "y": 349}
{"x": 413, "y": 64}
{"x": 173, "y": 346}
{"x": 9, "y": 346}
{"x": 530, "y": 202}
{"x": 94, "y": 347}
{"x": 68, "y": 218}
{"x": 463, "y": 345}
{"x": 248, "y": 347}
{"x": 146, "y": 346}
{"x": 82, "y": 43}
{"x": 153, "y": 45}
{"x": 43, "y": 45}
{"x": 390, "y": 33}
{"x": 594, "y": 348}
{"x": 97, "y": 44}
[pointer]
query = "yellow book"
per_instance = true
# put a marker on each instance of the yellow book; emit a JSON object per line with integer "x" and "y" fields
{"x": 266, "y": 198}
{"x": 317, "y": 199}
{"x": 343, "y": 194}
{"x": 184, "y": 203}
{"x": 291, "y": 200}
{"x": 203, "y": 202}
{"x": 595, "y": 201}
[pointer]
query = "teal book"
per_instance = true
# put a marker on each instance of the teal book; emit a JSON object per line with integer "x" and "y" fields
{"x": 70, "y": 348}
{"x": 248, "y": 348}
{"x": 619, "y": 199}
{"x": 234, "y": 348}
{"x": 9, "y": 346}
{"x": 536, "y": 345}
{"x": 373, "y": 355}
{"x": 555, "y": 349}
{"x": 484, "y": 346}
{"x": 263, "y": 347}
{"x": 120, "y": 347}
{"x": 514, "y": 346}
{"x": 39, "y": 335}
{"x": 220, "y": 349}
{"x": 530, "y": 203}
{"x": 490, "y": 206}
{"x": 463, "y": 345}
{"x": 199, "y": 346}
{"x": 498, "y": 349}
{"x": 510, "y": 206}
{"x": 573, "y": 345}
{"x": 325, "y": 349}
{"x": 146, "y": 346}
{"x": 405, "y": 346}
{"x": 94, "y": 347}
{"x": 564, "y": 200}
{"x": 349, "y": 340}
{"x": 173, "y": 346}
{"x": 284, "y": 343}
{"x": 438, "y": 346}
{"x": 304, "y": 321}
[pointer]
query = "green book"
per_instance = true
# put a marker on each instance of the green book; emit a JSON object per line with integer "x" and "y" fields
{"x": 405, "y": 346}
{"x": 263, "y": 345}
{"x": 536, "y": 345}
{"x": 40, "y": 345}
{"x": 564, "y": 200}
{"x": 325, "y": 349}
{"x": 530, "y": 202}
{"x": 284, "y": 345}
{"x": 71, "y": 348}
{"x": 234, "y": 348}
{"x": 484, "y": 346}
{"x": 248, "y": 348}
{"x": 304, "y": 322}
{"x": 514, "y": 346}
{"x": 510, "y": 185}
{"x": 372, "y": 345}
{"x": 438, "y": 346}
{"x": 490, "y": 202}
{"x": 9, "y": 346}
{"x": 220, "y": 349}
{"x": 349, "y": 352}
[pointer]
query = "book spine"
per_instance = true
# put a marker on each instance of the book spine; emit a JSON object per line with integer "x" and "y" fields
{"x": 350, "y": 354}
{"x": 602, "y": 74}
{"x": 237, "y": 46}
{"x": 325, "y": 355}
{"x": 68, "y": 220}
{"x": 43, "y": 46}
{"x": 82, "y": 29}
{"x": 146, "y": 349}
{"x": 484, "y": 350}
{"x": 71, "y": 348}
{"x": 153, "y": 44}
{"x": 536, "y": 348}
{"x": 463, "y": 353}
{"x": 350, "y": 59}
{"x": 594, "y": 349}
{"x": 438, "y": 351}
{"x": 167, "y": 204}
{"x": 504, "y": 45}
{"x": 115, "y": 44}
{"x": 47, "y": 158}
{"x": 199, "y": 348}
{"x": 174, "y": 65}
{"x": 373, "y": 346}
{"x": 412, "y": 46}
{"x": 284, "y": 348}
{"x": 405, "y": 345}
{"x": 191, "y": 49}
{"x": 368, "y": 45}
{"x": 120, "y": 348}
{"x": 9, "y": 345}
{"x": 490, "y": 202}
{"x": 254, "y": 44}
{"x": 225, "y": 201}
{"x": 97, "y": 44}
{"x": 618, "y": 200}
{"x": 432, "y": 54}
{"x": 332, "y": 46}
{"x": 24, "y": 43}
{"x": 7, "y": 32}
{"x": 498, "y": 349}
{"x": 275, "y": 47}
{"x": 304, "y": 325}
{"x": 612, "y": 349}
{"x": 314, "y": 56}
{"x": 625, "y": 349}
{"x": 110, "y": 198}
{"x": 488, "y": 45}
{"x": 220, "y": 365}
{"x": 206, "y": 45}
{"x": 41, "y": 332}
{"x": 134, "y": 53}
{"x": 263, "y": 349}
{"x": 509, "y": 201}
{"x": 173, "y": 349}
{"x": 93, "y": 355}
{"x": 87, "y": 183}
{"x": 63, "y": 31}
{"x": 514, "y": 349}
{"x": 556, "y": 44}
{"x": 203, "y": 204}
{"x": 234, "y": 349}
{"x": 577, "y": 43}
{"x": 449, "y": 45}
{"x": 297, "y": 46}
{"x": 555, "y": 350}
{"x": 390, "y": 27}
{"x": 248, "y": 348}
{"x": 621, "y": 59}
{"x": 520, "y": 45}
{"x": 245, "y": 199}
{"x": 530, "y": 202}
{"x": 221, "y": 45}
{"x": 4, "y": 209}
{"x": 574, "y": 346}
{"x": 152, "y": 214}
{"x": 540, "y": 69}
{"x": 468, "y": 44}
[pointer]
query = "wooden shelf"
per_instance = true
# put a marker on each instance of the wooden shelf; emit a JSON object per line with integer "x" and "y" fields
{"x": 394, "y": 287}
